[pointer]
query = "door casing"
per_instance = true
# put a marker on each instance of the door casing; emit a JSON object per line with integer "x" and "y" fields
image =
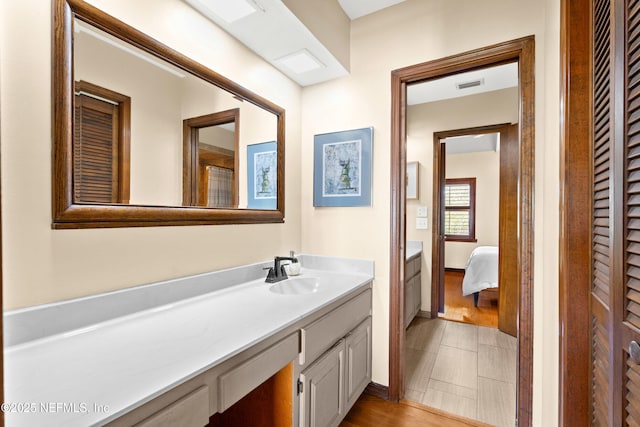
{"x": 521, "y": 50}
{"x": 437, "y": 235}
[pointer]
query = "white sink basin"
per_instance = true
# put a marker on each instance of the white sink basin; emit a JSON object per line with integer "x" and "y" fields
{"x": 296, "y": 286}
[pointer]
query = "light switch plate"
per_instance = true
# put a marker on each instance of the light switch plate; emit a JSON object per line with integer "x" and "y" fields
{"x": 422, "y": 224}
{"x": 422, "y": 212}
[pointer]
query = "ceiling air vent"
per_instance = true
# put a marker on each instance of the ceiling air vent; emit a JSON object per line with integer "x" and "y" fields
{"x": 467, "y": 85}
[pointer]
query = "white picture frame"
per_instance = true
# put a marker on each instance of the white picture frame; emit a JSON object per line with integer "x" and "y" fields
{"x": 413, "y": 182}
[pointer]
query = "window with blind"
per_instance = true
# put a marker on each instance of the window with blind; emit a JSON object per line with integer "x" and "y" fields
{"x": 459, "y": 209}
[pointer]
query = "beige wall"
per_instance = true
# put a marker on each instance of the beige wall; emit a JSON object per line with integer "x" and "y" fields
{"x": 485, "y": 167}
{"x": 423, "y": 120}
{"x": 328, "y": 23}
{"x": 409, "y": 33}
{"x": 547, "y": 188}
{"x": 42, "y": 265}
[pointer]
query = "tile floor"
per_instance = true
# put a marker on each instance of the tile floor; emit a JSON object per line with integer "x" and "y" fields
{"x": 465, "y": 369}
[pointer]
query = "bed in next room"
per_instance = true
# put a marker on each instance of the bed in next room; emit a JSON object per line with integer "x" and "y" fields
{"x": 481, "y": 271}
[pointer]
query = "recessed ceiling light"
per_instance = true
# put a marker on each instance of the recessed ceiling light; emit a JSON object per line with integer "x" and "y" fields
{"x": 230, "y": 11}
{"x": 300, "y": 62}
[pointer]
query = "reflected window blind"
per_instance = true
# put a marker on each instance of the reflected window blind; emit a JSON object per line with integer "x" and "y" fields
{"x": 220, "y": 194}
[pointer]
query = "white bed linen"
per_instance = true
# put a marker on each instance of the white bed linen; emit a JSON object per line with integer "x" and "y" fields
{"x": 481, "y": 271}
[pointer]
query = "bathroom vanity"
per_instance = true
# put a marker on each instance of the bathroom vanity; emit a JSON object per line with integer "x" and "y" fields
{"x": 222, "y": 348}
{"x": 412, "y": 281}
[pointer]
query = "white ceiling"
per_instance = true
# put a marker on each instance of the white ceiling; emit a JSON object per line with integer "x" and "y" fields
{"x": 472, "y": 143}
{"x": 275, "y": 32}
{"x": 494, "y": 78}
{"x": 357, "y": 8}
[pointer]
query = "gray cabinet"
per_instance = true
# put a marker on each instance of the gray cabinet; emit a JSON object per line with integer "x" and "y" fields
{"x": 412, "y": 288}
{"x": 322, "y": 402}
{"x": 358, "y": 361}
{"x": 189, "y": 411}
{"x": 335, "y": 362}
{"x": 331, "y": 385}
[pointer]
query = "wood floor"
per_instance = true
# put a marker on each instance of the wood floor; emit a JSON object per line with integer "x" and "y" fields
{"x": 370, "y": 411}
{"x": 460, "y": 308}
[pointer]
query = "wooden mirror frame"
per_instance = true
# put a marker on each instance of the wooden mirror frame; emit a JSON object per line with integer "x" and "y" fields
{"x": 66, "y": 213}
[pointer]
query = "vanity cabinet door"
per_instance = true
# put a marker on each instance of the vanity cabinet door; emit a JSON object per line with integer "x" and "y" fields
{"x": 408, "y": 302}
{"x": 358, "y": 358}
{"x": 322, "y": 401}
{"x": 412, "y": 290}
{"x": 417, "y": 293}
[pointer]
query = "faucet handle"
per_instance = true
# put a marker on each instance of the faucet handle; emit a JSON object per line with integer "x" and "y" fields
{"x": 271, "y": 274}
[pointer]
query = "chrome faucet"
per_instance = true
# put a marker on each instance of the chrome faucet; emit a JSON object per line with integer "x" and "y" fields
{"x": 277, "y": 272}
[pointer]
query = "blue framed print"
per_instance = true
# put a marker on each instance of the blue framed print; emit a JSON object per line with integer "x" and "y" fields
{"x": 262, "y": 175}
{"x": 342, "y": 163}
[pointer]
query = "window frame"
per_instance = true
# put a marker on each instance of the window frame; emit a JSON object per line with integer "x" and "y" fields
{"x": 471, "y": 237}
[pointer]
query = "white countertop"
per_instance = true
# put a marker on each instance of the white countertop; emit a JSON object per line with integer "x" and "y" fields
{"x": 413, "y": 248}
{"x": 124, "y": 362}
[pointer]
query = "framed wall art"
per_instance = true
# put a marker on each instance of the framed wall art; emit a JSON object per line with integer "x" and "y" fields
{"x": 342, "y": 166}
{"x": 262, "y": 178}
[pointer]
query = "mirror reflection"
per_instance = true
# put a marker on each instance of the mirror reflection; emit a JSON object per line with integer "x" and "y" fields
{"x": 149, "y": 133}
{"x": 217, "y": 186}
{"x": 210, "y": 148}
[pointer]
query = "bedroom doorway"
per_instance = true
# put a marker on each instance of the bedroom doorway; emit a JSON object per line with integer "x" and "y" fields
{"x": 522, "y": 52}
{"x": 475, "y": 213}
{"x": 465, "y": 195}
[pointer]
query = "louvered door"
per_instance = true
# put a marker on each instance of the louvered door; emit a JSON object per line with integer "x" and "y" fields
{"x": 95, "y": 151}
{"x": 615, "y": 292}
{"x": 601, "y": 214}
{"x": 629, "y": 312}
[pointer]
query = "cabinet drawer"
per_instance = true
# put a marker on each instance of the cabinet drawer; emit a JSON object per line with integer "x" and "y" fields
{"x": 324, "y": 332}
{"x": 417, "y": 265}
{"x": 190, "y": 411}
{"x": 239, "y": 381}
{"x": 413, "y": 267}
{"x": 409, "y": 269}
{"x": 417, "y": 291}
{"x": 408, "y": 302}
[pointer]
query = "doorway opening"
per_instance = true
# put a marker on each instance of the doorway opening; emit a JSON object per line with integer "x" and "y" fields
{"x": 475, "y": 255}
{"x": 522, "y": 52}
{"x": 470, "y": 164}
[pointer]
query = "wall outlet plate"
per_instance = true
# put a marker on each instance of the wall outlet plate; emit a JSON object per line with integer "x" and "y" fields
{"x": 422, "y": 212}
{"x": 422, "y": 224}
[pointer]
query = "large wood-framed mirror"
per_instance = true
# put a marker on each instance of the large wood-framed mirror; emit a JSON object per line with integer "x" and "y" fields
{"x": 170, "y": 138}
